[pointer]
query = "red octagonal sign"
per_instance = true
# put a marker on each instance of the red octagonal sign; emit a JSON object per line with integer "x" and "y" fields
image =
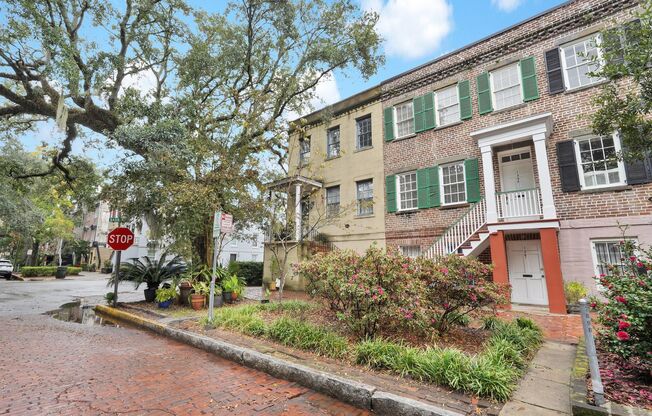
{"x": 120, "y": 238}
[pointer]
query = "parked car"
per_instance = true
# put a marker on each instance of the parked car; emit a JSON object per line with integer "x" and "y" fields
{"x": 6, "y": 268}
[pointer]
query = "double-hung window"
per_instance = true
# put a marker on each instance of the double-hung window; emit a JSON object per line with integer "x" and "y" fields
{"x": 579, "y": 59}
{"x": 304, "y": 150}
{"x": 453, "y": 183}
{"x": 333, "y": 200}
{"x": 598, "y": 162}
{"x": 448, "y": 106}
{"x": 363, "y": 132}
{"x": 407, "y": 191}
{"x": 506, "y": 86}
{"x": 365, "y": 197}
{"x": 404, "y": 116}
{"x": 607, "y": 253}
{"x": 411, "y": 251}
{"x": 333, "y": 142}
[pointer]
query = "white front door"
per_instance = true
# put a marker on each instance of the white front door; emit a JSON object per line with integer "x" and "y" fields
{"x": 526, "y": 272}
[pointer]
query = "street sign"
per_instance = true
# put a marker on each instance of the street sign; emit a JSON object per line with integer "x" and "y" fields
{"x": 216, "y": 224}
{"x": 226, "y": 225}
{"x": 120, "y": 238}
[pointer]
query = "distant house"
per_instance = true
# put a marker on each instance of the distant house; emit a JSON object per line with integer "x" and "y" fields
{"x": 247, "y": 248}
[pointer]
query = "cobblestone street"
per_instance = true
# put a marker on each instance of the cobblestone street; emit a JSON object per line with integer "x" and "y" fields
{"x": 50, "y": 367}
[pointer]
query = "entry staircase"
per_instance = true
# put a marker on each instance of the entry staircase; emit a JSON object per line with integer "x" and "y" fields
{"x": 467, "y": 236}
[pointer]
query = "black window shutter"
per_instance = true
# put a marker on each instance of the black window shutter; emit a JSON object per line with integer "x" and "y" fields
{"x": 553, "y": 68}
{"x": 570, "y": 179}
{"x": 613, "y": 45}
{"x": 639, "y": 171}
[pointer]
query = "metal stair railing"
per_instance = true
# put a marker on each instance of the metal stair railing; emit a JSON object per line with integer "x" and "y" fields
{"x": 460, "y": 231}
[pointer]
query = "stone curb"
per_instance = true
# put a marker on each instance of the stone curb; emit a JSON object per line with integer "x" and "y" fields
{"x": 579, "y": 392}
{"x": 358, "y": 394}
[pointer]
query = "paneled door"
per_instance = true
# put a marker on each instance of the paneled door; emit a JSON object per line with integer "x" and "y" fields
{"x": 526, "y": 273}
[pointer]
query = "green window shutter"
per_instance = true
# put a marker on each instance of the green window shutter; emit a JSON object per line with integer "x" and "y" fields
{"x": 423, "y": 188}
{"x": 435, "y": 196}
{"x": 484, "y": 93}
{"x": 390, "y": 193}
{"x": 464, "y": 92}
{"x": 419, "y": 114}
{"x": 389, "y": 124}
{"x": 429, "y": 121}
{"x": 472, "y": 180}
{"x": 529, "y": 79}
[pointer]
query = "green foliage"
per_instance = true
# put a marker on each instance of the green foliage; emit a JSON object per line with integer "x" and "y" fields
{"x": 37, "y": 271}
{"x": 250, "y": 271}
{"x": 150, "y": 271}
{"x": 574, "y": 291}
{"x": 490, "y": 322}
{"x": 304, "y": 336}
{"x": 492, "y": 374}
{"x": 165, "y": 294}
{"x": 626, "y": 316}
{"x": 201, "y": 288}
{"x": 293, "y": 306}
{"x": 625, "y": 102}
{"x": 108, "y": 297}
{"x": 73, "y": 271}
{"x": 244, "y": 319}
{"x": 233, "y": 284}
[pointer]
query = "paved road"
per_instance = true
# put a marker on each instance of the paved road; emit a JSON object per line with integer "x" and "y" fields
{"x": 49, "y": 367}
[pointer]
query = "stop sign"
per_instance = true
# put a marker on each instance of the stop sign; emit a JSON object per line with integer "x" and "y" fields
{"x": 120, "y": 238}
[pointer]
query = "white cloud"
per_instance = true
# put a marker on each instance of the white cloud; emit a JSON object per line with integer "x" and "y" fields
{"x": 506, "y": 5}
{"x": 326, "y": 93}
{"x": 412, "y": 28}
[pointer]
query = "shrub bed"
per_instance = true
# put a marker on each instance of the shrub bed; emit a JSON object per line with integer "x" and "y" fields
{"x": 37, "y": 271}
{"x": 250, "y": 271}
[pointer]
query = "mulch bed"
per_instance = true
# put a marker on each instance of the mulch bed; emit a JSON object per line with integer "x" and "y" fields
{"x": 624, "y": 383}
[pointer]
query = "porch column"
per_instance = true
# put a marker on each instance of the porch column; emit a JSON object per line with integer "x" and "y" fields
{"x": 499, "y": 261}
{"x": 297, "y": 212}
{"x": 552, "y": 269}
{"x": 489, "y": 183}
{"x": 543, "y": 169}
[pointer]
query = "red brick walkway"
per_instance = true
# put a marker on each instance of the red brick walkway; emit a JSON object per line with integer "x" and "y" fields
{"x": 560, "y": 328}
{"x": 49, "y": 367}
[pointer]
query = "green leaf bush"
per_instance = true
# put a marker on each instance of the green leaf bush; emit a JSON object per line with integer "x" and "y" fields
{"x": 250, "y": 271}
{"x": 38, "y": 271}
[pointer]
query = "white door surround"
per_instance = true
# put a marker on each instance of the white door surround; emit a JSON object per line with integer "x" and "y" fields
{"x": 537, "y": 128}
{"x": 526, "y": 274}
{"x": 516, "y": 175}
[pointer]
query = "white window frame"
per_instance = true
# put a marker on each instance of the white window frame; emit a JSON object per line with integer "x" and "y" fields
{"x": 329, "y": 211}
{"x": 357, "y": 133}
{"x": 304, "y": 157}
{"x": 407, "y": 251}
{"x": 398, "y": 191}
{"x": 580, "y": 170}
{"x": 594, "y": 254}
{"x": 328, "y": 143}
{"x": 459, "y": 112}
{"x": 441, "y": 183}
{"x": 358, "y": 200}
{"x": 493, "y": 88}
{"x": 564, "y": 65}
{"x": 411, "y": 104}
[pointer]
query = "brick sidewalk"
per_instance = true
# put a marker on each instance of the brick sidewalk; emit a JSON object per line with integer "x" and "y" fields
{"x": 556, "y": 328}
{"x": 49, "y": 367}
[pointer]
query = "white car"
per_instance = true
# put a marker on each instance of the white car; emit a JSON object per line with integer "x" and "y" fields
{"x": 6, "y": 268}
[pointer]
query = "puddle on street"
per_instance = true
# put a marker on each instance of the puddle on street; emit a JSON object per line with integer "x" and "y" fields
{"x": 80, "y": 313}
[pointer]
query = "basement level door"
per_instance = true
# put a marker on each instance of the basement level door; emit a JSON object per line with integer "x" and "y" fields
{"x": 526, "y": 272}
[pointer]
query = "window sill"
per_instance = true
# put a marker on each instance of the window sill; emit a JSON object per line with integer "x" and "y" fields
{"x": 453, "y": 206}
{"x": 457, "y": 123}
{"x": 333, "y": 157}
{"x": 586, "y": 87}
{"x": 407, "y": 211}
{"x": 506, "y": 109}
{"x": 360, "y": 217}
{"x": 614, "y": 188}
{"x": 405, "y": 137}
{"x": 362, "y": 149}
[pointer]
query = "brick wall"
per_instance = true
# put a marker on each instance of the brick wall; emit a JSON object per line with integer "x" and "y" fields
{"x": 568, "y": 113}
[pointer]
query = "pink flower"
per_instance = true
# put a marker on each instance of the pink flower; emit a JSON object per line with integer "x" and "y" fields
{"x": 473, "y": 297}
{"x": 446, "y": 305}
{"x": 374, "y": 297}
{"x": 380, "y": 291}
{"x": 639, "y": 264}
{"x": 622, "y": 335}
{"x": 594, "y": 305}
{"x": 355, "y": 276}
{"x": 632, "y": 258}
{"x": 623, "y": 325}
{"x": 621, "y": 299}
{"x": 444, "y": 270}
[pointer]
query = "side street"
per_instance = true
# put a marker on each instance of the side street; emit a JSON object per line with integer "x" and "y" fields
{"x": 326, "y": 207}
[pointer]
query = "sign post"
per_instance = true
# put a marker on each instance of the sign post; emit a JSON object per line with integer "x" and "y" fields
{"x": 222, "y": 224}
{"x": 119, "y": 239}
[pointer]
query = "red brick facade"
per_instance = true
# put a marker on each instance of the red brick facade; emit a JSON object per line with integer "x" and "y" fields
{"x": 568, "y": 109}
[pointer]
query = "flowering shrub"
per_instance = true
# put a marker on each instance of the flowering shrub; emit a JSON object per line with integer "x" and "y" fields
{"x": 626, "y": 316}
{"x": 366, "y": 290}
{"x": 458, "y": 286}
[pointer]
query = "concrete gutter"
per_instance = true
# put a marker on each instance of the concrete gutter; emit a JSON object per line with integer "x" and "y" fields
{"x": 358, "y": 394}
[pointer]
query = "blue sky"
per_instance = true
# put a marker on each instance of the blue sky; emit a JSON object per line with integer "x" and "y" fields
{"x": 415, "y": 31}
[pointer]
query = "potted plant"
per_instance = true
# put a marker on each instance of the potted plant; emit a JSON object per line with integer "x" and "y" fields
{"x": 150, "y": 271}
{"x": 574, "y": 291}
{"x": 185, "y": 287}
{"x": 61, "y": 272}
{"x": 108, "y": 297}
{"x": 165, "y": 296}
{"x": 218, "y": 299}
{"x": 232, "y": 288}
{"x": 198, "y": 297}
{"x": 107, "y": 267}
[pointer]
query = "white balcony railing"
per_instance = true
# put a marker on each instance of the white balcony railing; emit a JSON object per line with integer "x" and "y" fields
{"x": 521, "y": 203}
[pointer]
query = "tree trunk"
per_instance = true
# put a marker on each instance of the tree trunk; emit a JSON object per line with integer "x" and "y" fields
{"x": 34, "y": 259}
{"x": 99, "y": 257}
{"x": 200, "y": 248}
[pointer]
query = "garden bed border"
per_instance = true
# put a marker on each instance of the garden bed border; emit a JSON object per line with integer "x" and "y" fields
{"x": 358, "y": 394}
{"x": 579, "y": 392}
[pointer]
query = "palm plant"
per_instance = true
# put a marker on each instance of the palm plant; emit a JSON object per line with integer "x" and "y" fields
{"x": 150, "y": 271}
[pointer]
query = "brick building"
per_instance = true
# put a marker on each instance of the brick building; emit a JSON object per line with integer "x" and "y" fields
{"x": 488, "y": 152}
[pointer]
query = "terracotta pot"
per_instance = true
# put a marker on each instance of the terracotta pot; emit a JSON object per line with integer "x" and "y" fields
{"x": 272, "y": 285}
{"x": 234, "y": 296}
{"x": 184, "y": 294}
{"x": 197, "y": 301}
